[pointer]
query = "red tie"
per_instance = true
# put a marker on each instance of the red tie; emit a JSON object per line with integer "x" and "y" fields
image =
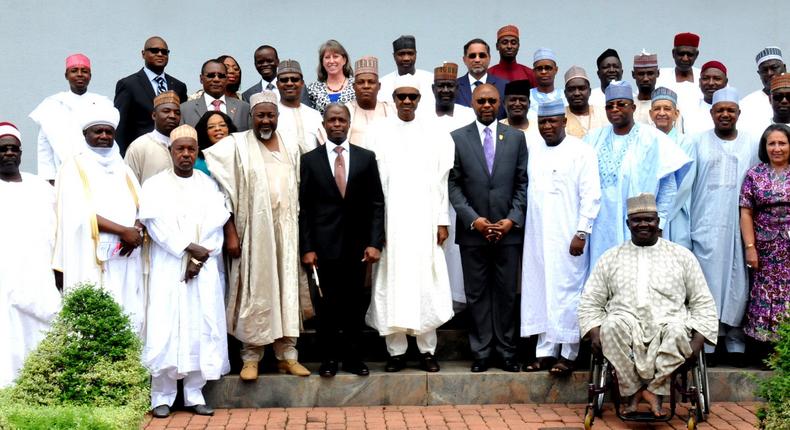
{"x": 216, "y": 103}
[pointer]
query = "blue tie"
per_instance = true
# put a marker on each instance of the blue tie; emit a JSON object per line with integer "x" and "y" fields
{"x": 160, "y": 81}
{"x": 488, "y": 149}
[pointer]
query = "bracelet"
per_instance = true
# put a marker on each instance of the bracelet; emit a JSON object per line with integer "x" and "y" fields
{"x": 749, "y": 245}
{"x": 197, "y": 262}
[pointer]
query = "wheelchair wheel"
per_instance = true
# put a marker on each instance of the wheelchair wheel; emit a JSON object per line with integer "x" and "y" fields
{"x": 589, "y": 418}
{"x": 599, "y": 374}
{"x": 691, "y": 424}
{"x": 700, "y": 380}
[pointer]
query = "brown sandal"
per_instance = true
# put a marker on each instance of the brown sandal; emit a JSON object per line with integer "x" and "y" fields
{"x": 540, "y": 363}
{"x": 563, "y": 367}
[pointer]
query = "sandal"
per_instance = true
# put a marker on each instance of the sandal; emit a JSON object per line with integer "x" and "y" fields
{"x": 563, "y": 367}
{"x": 540, "y": 363}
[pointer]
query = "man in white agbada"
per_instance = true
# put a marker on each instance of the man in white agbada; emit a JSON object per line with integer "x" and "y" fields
{"x": 779, "y": 112}
{"x": 404, "y": 52}
{"x": 258, "y": 171}
{"x": 297, "y": 122}
{"x": 721, "y": 158}
{"x": 562, "y": 203}
{"x": 60, "y": 135}
{"x": 696, "y": 117}
{"x": 99, "y": 235}
{"x": 149, "y": 154}
{"x": 647, "y": 308}
{"x": 632, "y": 159}
{"x": 184, "y": 212}
{"x": 451, "y": 116}
{"x": 684, "y": 78}
{"x": 411, "y": 290}
{"x": 756, "y": 106}
{"x": 29, "y": 298}
{"x": 365, "y": 109}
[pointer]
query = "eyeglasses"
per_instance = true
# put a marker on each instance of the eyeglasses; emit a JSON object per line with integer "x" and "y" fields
{"x": 292, "y": 79}
{"x": 13, "y": 148}
{"x": 778, "y": 97}
{"x": 411, "y": 97}
{"x": 473, "y": 55}
{"x": 213, "y": 75}
{"x": 490, "y": 100}
{"x": 163, "y": 51}
{"x": 618, "y": 104}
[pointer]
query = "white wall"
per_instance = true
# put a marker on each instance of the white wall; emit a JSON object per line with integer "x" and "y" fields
{"x": 37, "y": 35}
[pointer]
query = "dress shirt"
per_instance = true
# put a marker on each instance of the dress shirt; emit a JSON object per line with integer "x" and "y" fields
{"x": 209, "y": 107}
{"x": 159, "y": 137}
{"x": 472, "y": 81}
{"x": 151, "y": 76}
{"x": 481, "y": 132}
{"x": 331, "y": 154}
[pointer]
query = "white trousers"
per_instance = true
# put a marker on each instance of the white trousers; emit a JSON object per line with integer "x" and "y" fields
{"x": 284, "y": 349}
{"x": 397, "y": 344}
{"x": 545, "y": 348}
{"x": 164, "y": 389}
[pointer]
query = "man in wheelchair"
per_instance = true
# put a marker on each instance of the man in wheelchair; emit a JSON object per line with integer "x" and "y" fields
{"x": 647, "y": 308}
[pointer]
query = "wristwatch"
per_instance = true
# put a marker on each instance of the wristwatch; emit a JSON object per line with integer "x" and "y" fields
{"x": 581, "y": 235}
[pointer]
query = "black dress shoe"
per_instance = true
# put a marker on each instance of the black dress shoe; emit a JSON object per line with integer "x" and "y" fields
{"x": 328, "y": 369}
{"x": 161, "y": 411}
{"x": 428, "y": 363}
{"x": 201, "y": 410}
{"x": 356, "y": 367}
{"x": 479, "y": 365}
{"x": 510, "y": 365}
{"x": 395, "y": 363}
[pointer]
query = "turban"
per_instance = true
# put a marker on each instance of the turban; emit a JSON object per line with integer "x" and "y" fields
{"x": 8, "y": 129}
{"x": 663, "y": 93}
{"x": 687, "y": 39}
{"x": 780, "y": 81}
{"x": 404, "y": 42}
{"x": 619, "y": 90}
{"x": 576, "y": 72}
{"x": 645, "y": 60}
{"x": 520, "y": 87}
{"x": 407, "y": 80}
{"x": 289, "y": 66}
{"x": 366, "y": 64}
{"x": 446, "y": 71}
{"x": 606, "y": 54}
{"x": 544, "y": 54}
{"x": 644, "y": 202}
{"x": 726, "y": 94}
{"x": 77, "y": 60}
{"x": 714, "y": 65}
{"x": 184, "y": 130}
{"x": 769, "y": 53}
{"x": 263, "y": 97}
{"x": 99, "y": 114}
{"x": 166, "y": 97}
{"x": 508, "y": 30}
{"x": 552, "y": 107}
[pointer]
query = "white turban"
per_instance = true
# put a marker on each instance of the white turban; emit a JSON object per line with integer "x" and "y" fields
{"x": 407, "y": 80}
{"x": 96, "y": 114}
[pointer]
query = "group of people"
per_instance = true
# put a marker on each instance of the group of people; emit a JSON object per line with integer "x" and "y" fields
{"x": 245, "y": 213}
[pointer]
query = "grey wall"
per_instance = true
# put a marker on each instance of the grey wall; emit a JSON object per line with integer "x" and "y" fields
{"x": 37, "y": 35}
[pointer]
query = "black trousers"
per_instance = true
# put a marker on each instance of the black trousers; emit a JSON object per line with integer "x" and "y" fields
{"x": 341, "y": 311}
{"x": 490, "y": 284}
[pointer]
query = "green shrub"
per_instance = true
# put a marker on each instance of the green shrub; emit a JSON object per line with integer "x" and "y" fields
{"x": 776, "y": 388}
{"x": 85, "y": 374}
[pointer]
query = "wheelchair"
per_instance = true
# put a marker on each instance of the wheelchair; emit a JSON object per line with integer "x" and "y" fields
{"x": 689, "y": 382}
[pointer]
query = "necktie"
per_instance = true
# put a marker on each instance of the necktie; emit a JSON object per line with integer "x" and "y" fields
{"x": 340, "y": 170}
{"x": 216, "y": 103}
{"x": 488, "y": 149}
{"x": 160, "y": 82}
{"x": 269, "y": 86}
{"x": 478, "y": 83}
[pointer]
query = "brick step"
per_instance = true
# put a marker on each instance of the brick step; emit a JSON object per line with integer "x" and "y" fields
{"x": 454, "y": 384}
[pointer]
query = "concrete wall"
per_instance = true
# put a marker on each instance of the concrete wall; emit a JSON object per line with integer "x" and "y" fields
{"x": 37, "y": 35}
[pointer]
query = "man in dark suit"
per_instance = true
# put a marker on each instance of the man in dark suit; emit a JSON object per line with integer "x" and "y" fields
{"x": 488, "y": 189}
{"x": 477, "y": 56}
{"x": 267, "y": 62}
{"x": 341, "y": 231}
{"x": 214, "y": 78}
{"x": 134, "y": 94}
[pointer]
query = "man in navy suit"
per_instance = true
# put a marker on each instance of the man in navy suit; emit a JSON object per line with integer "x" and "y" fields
{"x": 488, "y": 189}
{"x": 341, "y": 231}
{"x": 134, "y": 94}
{"x": 477, "y": 56}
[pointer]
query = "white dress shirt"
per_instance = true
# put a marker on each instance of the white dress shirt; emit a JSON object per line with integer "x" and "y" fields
{"x": 223, "y": 107}
{"x": 481, "y": 132}
{"x": 332, "y": 155}
{"x": 472, "y": 81}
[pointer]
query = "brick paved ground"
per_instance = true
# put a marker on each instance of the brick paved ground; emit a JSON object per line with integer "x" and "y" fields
{"x": 730, "y": 416}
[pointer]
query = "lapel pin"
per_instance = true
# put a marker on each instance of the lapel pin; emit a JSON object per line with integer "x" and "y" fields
{"x": 501, "y": 137}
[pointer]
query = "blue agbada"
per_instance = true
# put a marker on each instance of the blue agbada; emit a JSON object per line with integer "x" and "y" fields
{"x": 679, "y": 220}
{"x": 643, "y": 161}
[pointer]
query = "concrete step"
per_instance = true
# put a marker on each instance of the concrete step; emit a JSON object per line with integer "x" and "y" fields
{"x": 454, "y": 384}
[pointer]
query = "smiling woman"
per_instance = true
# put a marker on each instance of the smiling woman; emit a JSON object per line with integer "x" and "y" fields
{"x": 335, "y": 80}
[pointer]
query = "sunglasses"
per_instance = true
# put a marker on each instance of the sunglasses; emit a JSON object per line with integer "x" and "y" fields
{"x": 619, "y": 105}
{"x": 163, "y": 51}
{"x": 216, "y": 75}
{"x": 411, "y": 97}
{"x": 13, "y": 148}
{"x": 778, "y": 97}
{"x": 474, "y": 55}
{"x": 292, "y": 79}
{"x": 490, "y": 100}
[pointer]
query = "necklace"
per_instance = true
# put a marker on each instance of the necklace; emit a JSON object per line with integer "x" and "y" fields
{"x": 342, "y": 84}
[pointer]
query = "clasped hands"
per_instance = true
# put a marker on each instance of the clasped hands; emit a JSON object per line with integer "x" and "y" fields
{"x": 197, "y": 256}
{"x": 131, "y": 238}
{"x": 493, "y": 232}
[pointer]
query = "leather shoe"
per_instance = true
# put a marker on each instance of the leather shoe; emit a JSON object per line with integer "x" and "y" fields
{"x": 510, "y": 365}
{"x": 395, "y": 363}
{"x": 428, "y": 363}
{"x": 479, "y": 365}
{"x": 202, "y": 410}
{"x": 293, "y": 367}
{"x": 328, "y": 369}
{"x": 161, "y": 411}
{"x": 356, "y": 367}
{"x": 249, "y": 372}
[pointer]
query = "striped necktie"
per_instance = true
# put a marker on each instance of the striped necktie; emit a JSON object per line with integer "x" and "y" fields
{"x": 160, "y": 82}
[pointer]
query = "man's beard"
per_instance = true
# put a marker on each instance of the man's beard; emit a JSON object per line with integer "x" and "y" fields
{"x": 265, "y": 135}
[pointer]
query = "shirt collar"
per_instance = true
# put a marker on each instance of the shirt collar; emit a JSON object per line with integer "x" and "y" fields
{"x": 273, "y": 82}
{"x": 151, "y": 75}
{"x": 330, "y": 146}
{"x": 481, "y": 127}
{"x": 482, "y": 79}
{"x": 161, "y": 138}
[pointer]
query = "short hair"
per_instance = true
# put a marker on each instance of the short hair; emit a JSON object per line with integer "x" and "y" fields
{"x": 202, "y": 129}
{"x": 262, "y": 47}
{"x": 338, "y": 105}
{"x": 334, "y": 46}
{"x": 762, "y": 151}
{"x": 476, "y": 40}
{"x": 212, "y": 60}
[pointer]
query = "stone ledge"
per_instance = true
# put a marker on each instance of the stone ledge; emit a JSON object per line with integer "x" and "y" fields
{"x": 455, "y": 384}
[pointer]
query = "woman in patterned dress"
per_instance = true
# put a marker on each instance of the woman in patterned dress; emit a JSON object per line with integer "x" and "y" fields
{"x": 335, "y": 77}
{"x": 765, "y": 226}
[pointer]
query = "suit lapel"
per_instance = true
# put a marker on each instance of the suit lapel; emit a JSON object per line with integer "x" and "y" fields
{"x": 326, "y": 172}
{"x": 476, "y": 146}
{"x": 146, "y": 84}
{"x": 233, "y": 109}
{"x": 200, "y": 106}
{"x": 499, "y": 145}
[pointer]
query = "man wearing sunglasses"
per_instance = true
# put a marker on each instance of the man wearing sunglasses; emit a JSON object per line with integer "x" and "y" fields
{"x": 779, "y": 98}
{"x": 297, "y": 122}
{"x": 134, "y": 94}
{"x": 214, "y": 78}
{"x": 757, "y": 105}
{"x": 477, "y": 57}
{"x": 632, "y": 159}
{"x": 488, "y": 189}
{"x": 404, "y": 52}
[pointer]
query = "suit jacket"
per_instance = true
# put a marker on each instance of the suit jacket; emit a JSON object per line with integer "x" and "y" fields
{"x": 134, "y": 99}
{"x": 464, "y": 96}
{"x": 476, "y": 193}
{"x": 255, "y": 89}
{"x": 237, "y": 110}
{"x": 330, "y": 225}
